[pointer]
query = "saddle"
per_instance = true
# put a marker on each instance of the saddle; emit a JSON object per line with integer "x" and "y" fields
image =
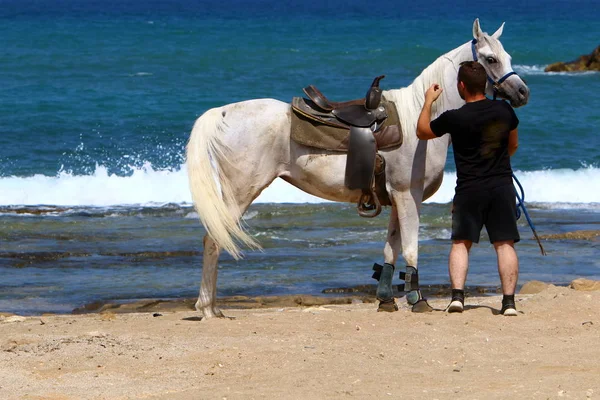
{"x": 363, "y": 119}
{"x": 361, "y": 113}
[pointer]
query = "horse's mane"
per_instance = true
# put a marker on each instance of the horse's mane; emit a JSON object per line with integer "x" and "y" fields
{"x": 410, "y": 99}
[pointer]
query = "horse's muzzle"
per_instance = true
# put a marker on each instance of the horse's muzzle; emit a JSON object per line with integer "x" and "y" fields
{"x": 517, "y": 97}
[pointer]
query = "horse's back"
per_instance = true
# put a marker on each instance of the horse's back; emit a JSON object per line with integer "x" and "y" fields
{"x": 262, "y": 109}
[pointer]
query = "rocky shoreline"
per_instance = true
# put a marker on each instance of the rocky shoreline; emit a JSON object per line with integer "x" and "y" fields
{"x": 586, "y": 62}
{"x": 363, "y": 294}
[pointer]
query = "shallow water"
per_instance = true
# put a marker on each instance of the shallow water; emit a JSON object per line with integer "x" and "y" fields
{"x": 59, "y": 259}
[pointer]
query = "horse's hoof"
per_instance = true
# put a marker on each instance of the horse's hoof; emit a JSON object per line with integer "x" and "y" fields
{"x": 211, "y": 312}
{"x": 216, "y": 317}
{"x": 421, "y": 306}
{"x": 387, "y": 306}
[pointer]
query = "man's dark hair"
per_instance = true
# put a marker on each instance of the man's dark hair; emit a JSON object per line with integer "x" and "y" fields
{"x": 473, "y": 75}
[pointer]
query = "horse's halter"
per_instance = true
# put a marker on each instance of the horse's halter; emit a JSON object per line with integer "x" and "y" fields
{"x": 495, "y": 84}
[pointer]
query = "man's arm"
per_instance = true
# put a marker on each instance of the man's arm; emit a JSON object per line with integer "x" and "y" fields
{"x": 513, "y": 142}
{"x": 424, "y": 131}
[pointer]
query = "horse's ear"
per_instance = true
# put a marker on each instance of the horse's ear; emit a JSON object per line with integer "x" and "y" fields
{"x": 477, "y": 29}
{"x": 497, "y": 34}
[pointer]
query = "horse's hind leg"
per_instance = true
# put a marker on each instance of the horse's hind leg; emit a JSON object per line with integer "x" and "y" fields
{"x": 206, "y": 303}
{"x": 207, "y": 299}
{"x": 244, "y": 193}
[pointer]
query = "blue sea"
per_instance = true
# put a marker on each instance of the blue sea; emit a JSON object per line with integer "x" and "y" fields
{"x": 98, "y": 98}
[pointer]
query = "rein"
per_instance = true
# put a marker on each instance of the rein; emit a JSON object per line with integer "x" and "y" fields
{"x": 521, "y": 205}
{"x": 521, "y": 197}
{"x": 495, "y": 84}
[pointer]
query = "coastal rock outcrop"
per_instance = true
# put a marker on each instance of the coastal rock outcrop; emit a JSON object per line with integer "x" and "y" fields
{"x": 585, "y": 285}
{"x": 533, "y": 287}
{"x": 587, "y": 62}
{"x": 573, "y": 235}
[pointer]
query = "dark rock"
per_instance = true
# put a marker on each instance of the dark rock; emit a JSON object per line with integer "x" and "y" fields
{"x": 587, "y": 62}
{"x": 574, "y": 235}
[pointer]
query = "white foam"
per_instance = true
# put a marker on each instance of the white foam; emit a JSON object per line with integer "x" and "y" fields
{"x": 529, "y": 69}
{"x": 147, "y": 186}
{"x": 143, "y": 186}
{"x": 559, "y": 186}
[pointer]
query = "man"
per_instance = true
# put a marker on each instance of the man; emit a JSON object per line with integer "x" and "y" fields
{"x": 484, "y": 136}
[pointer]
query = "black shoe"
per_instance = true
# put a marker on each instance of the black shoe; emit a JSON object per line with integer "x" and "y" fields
{"x": 508, "y": 305}
{"x": 509, "y": 310}
{"x": 457, "y": 304}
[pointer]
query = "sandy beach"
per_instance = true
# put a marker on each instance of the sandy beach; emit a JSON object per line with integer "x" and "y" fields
{"x": 551, "y": 350}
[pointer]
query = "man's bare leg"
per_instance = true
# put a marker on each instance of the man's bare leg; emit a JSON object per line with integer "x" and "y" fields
{"x": 458, "y": 266}
{"x": 458, "y": 263}
{"x": 508, "y": 265}
{"x": 508, "y": 269}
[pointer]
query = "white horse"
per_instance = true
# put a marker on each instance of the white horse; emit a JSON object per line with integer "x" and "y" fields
{"x": 237, "y": 150}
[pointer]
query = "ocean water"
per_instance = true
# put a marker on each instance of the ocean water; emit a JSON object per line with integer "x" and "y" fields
{"x": 98, "y": 98}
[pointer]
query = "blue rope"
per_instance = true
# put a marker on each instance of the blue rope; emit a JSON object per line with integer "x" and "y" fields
{"x": 521, "y": 206}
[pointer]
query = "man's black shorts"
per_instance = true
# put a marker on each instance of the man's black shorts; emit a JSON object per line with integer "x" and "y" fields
{"x": 495, "y": 208}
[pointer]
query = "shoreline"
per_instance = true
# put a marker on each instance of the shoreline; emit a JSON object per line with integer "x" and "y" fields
{"x": 362, "y": 294}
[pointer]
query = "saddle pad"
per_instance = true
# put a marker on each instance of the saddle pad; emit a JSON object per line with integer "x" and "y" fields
{"x": 311, "y": 133}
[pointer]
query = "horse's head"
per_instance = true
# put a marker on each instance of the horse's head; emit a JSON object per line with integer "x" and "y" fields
{"x": 503, "y": 82}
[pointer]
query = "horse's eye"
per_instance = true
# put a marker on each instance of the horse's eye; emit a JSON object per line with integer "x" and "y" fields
{"x": 491, "y": 60}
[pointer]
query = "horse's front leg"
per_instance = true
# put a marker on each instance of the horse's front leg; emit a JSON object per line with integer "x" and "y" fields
{"x": 408, "y": 204}
{"x": 207, "y": 299}
{"x": 385, "y": 273}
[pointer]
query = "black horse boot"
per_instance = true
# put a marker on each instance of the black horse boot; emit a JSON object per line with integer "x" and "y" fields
{"x": 385, "y": 274}
{"x": 411, "y": 286}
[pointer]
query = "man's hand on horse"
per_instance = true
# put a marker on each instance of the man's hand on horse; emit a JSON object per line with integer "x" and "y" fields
{"x": 433, "y": 93}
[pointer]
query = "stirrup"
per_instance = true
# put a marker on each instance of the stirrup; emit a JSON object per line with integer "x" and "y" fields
{"x": 368, "y": 202}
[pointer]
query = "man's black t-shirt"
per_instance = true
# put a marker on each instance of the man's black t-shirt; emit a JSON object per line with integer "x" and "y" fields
{"x": 479, "y": 132}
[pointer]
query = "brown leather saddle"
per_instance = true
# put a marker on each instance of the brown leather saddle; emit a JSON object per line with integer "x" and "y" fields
{"x": 363, "y": 118}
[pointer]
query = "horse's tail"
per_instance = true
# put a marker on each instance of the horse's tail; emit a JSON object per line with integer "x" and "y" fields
{"x": 211, "y": 190}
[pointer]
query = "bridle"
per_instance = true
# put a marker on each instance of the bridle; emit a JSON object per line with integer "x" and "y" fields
{"x": 495, "y": 84}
